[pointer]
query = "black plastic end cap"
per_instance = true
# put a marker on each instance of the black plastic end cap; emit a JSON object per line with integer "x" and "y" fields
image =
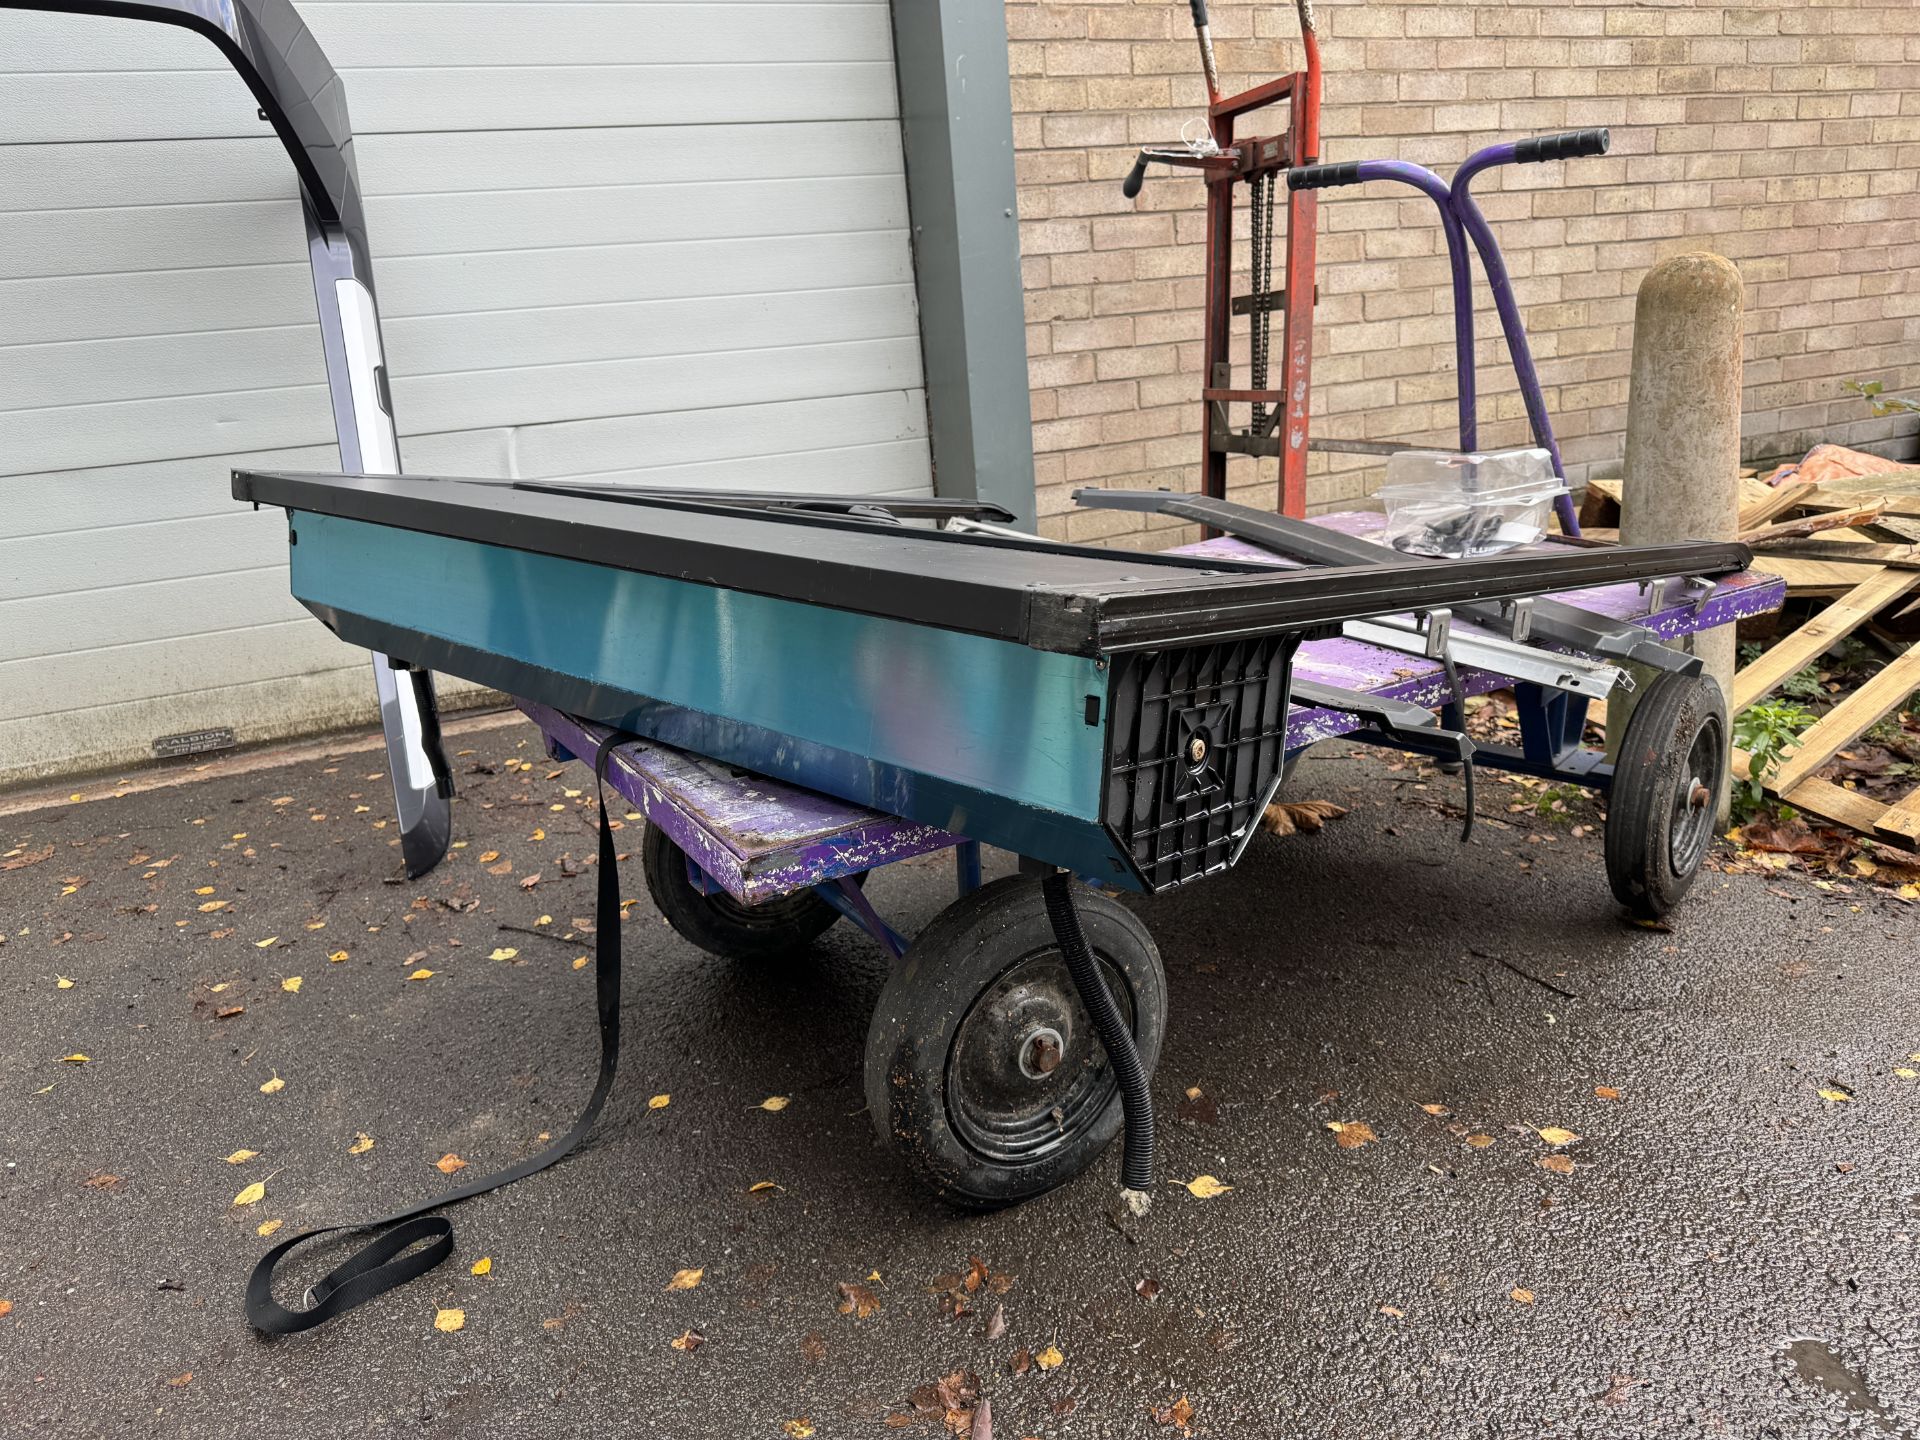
{"x": 1130, "y": 186}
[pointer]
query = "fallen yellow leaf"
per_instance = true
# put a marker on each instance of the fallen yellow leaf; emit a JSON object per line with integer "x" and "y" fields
{"x": 1394, "y": 1310}
{"x": 1555, "y": 1135}
{"x": 204, "y": 890}
{"x": 483, "y": 1266}
{"x": 659, "y": 1102}
{"x": 291, "y": 984}
{"x": 538, "y": 834}
{"x": 1520, "y": 1294}
{"x": 61, "y": 982}
{"x": 266, "y": 944}
{"x": 1837, "y": 1096}
{"x": 75, "y": 1059}
{"x": 448, "y": 1163}
{"x": 1351, "y": 1134}
{"x": 1205, "y": 1187}
{"x": 362, "y": 1142}
{"x": 213, "y": 905}
{"x": 449, "y": 1320}
{"x": 688, "y": 1341}
{"x": 776, "y": 1102}
{"x": 505, "y": 952}
{"x": 487, "y": 857}
{"x": 240, "y": 1157}
{"x": 1606, "y": 1092}
{"x": 336, "y": 957}
{"x": 685, "y": 1279}
{"x": 181, "y": 1381}
{"x": 1479, "y": 1142}
{"x": 253, "y": 1194}
{"x": 6, "y": 1308}
{"x": 759, "y": 1185}
{"x": 801, "y": 1429}
{"x": 1436, "y": 1109}
{"x": 421, "y": 974}
{"x": 267, "y": 1227}
{"x": 273, "y": 1086}
{"x": 544, "y": 920}
{"x": 579, "y": 962}
{"x": 1558, "y": 1164}
{"x": 1906, "y": 1072}
{"x": 1050, "y": 1358}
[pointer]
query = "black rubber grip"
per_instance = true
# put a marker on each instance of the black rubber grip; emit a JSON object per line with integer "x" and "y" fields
{"x": 1568, "y": 146}
{"x": 1319, "y": 177}
{"x": 1130, "y": 186}
{"x": 1199, "y": 8}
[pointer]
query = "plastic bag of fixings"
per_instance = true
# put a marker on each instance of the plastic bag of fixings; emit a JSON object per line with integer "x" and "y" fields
{"x": 1450, "y": 504}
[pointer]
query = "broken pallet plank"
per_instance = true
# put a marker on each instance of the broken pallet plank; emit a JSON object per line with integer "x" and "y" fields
{"x": 1900, "y": 825}
{"x": 1810, "y": 641}
{"x": 1841, "y": 806}
{"x": 1849, "y": 720}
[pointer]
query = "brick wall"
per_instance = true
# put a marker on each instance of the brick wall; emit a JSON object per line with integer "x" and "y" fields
{"x": 1785, "y": 136}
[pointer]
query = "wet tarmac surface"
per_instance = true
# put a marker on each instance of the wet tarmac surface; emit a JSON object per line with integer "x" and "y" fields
{"x": 1729, "y": 1254}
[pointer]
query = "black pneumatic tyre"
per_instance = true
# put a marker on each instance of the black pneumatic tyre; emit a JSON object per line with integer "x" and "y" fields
{"x": 720, "y": 924}
{"x": 1661, "y": 809}
{"x": 983, "y": 1072}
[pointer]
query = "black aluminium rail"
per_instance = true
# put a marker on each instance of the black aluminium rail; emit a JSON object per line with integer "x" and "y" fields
{"x": 1074, "y": 600}
{"x": 1552, "y": 620}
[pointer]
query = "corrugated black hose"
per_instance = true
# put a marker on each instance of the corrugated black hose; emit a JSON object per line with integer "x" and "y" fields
{"x": 1136, "y": 1097}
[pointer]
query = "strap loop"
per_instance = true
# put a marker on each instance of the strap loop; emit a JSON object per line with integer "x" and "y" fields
{"x": 413, "y": 1242}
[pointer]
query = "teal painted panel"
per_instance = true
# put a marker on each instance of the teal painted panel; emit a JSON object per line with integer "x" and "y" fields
{"x": 982, "y": 714}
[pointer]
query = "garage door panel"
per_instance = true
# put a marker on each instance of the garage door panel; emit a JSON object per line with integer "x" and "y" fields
{"x": 569, "y": 289}
{"x": 728, "y": 432}
{"x": 50, "y": 503}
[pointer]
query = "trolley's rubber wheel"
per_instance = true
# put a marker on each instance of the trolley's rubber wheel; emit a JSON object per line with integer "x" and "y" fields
{"x": 983, "y": 1070}
{"x": 1661, "y": 808}
{"x": 720, "y": 924}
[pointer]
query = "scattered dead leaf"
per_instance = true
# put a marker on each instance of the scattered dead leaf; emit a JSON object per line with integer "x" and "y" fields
{"x": 182, "y": 1380}
{"x": 448, "y": 1163}
{"x": 857, "y": 1300}
{"x": 1479, "y": 1142}
{"x": 1606, "y": 1092}
{"x": 775, "y": 1103}
{"x": 422, "y": 974}
{"x": 1436, "y": 1109}
{"x": 1050, "y": 1358}
{"x": 801, "y": 1429}
{"x": 686, "y": 1279}
{"x": 1176, "y": 1412}
{"x": 240, "y": 1157}
{"x": 1351, "y": 1134}
{"x": 228, "y": 1012}
{"x": 268, "y": 1227}
{"x": 273, "y": 1086}
{"x": 660, "y": 1102}
{"x": 1558, "y": 1164}
{"x": 362, "y": 1142}
{"x": 253, "y": 1194}
{"x": 1520, "y": 1295}
{"x": 1556, "y": 1135}
{"x": 449, "y": 1320}
{"x": 291, "y": 984}
{"x": 1205, "y": 1187}
{"x": 482, "y": 1266}
{"x": 688, "y": 1341}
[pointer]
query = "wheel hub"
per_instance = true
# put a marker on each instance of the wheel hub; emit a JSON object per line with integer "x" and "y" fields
{"x": 1025, "y": 1072}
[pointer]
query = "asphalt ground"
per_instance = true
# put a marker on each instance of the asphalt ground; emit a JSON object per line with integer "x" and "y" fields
{"x": 1729, "y": 1253}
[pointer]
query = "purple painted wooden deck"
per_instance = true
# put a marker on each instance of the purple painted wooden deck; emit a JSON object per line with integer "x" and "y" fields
{"x": 761, "y": 839}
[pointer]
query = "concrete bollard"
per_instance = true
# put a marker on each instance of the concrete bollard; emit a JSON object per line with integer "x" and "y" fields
{"x": 1683, "y": 430}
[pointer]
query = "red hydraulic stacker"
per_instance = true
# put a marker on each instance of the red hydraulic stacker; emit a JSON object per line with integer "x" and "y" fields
{"x": 1275, "y": 420}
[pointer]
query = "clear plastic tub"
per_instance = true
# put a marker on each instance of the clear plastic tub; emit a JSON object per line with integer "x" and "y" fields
{"x": 1448, "y": 504}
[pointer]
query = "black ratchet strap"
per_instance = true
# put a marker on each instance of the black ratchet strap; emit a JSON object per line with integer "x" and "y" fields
{"x": 411, "y": 1241}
